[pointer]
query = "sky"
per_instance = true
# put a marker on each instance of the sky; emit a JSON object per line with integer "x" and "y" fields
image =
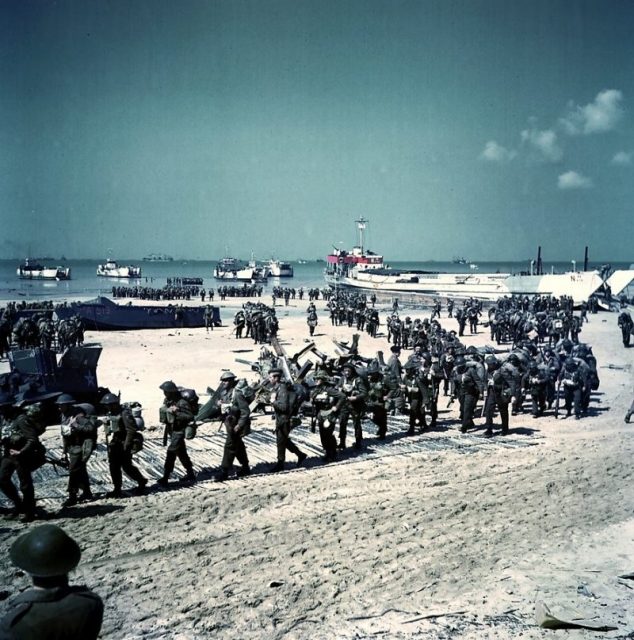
{"x": 479, "y": 128}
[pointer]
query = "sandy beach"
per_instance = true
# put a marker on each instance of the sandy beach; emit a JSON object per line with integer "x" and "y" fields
{"x": 439, "y": 535}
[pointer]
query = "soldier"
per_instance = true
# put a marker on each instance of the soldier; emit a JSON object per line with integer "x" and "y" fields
{"x": 536, "y": 381}
{"x": 377, "y": 395}
{"x": 324, "y": 397}
{"x": 284, "y": 401}
{"x": 498, "y": 394}
{"x": 626, "y": 325}
{"x": 630, "y": 413}
{"x": 209, "y": 317}
{"x": 472, "y": 387}
{"x": 120, "y": 437}
{"x": 176, "y": 413}
{"x": 351, "y": 404}
{"x": 22, "y": 454}
{"x": 79, "y": 435}
{"x": 430, "y": 378}
{"x": 236, "y": 416}
{"x": 572, "y": 384}
{"x": 51, "y": 609}
{"x": 311, "y": 321}
{"x": 414, "y": 394}
{"x": 394, "y": 364}
{"x": 239, "y": 321}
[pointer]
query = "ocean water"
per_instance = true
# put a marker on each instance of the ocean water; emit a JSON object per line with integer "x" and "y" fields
{"x": 85, "y": 283}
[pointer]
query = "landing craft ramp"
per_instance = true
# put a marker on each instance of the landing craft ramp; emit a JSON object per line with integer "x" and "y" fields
{"x": 206, "y": 453}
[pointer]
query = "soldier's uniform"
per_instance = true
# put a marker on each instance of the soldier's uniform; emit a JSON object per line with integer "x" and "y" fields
{"x": 572, "y": 385}
{"x": 54, "y": 609}
{"x": 536, "y": 381}
{"x": 472, "y": 387}
{"x": 324, "y": 397}
{"x": 121, "y": 429}
{"x": 236, "y": 417}
{"x": 176, "y": 413}
{"x": 414, "y": 394}
{"x": 351, "y": 404}
{"x": 284, "y": 401}
{"x": 377, "y": 395}
{"x": 498, "y": 394}
{"x": 79, "y": 435}
{"x": 22, "y": 453}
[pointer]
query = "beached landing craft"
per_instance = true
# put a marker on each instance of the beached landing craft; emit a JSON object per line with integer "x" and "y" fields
{"x": 29, "y": 270}
{"x": 233, "y": 270}
{"x": 112, "y": 270}
{"x": 279, "y": 269}
{"x": 365, "y": 271}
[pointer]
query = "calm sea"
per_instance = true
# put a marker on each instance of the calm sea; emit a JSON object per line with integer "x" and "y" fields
{"x": 85, "y": 283}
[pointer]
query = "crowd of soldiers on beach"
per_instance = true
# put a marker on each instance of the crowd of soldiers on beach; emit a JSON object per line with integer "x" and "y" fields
{"x": 340, "y": 398}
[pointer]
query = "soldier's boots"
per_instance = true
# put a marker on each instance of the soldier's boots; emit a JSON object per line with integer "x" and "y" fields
{"x": 140, "y": 489}
{"x": 301, "y": 456}
{"x": 86, "y": 496}
{"x": 163, "y": 481}
{"x": 243, "y": 471}
{"x": 222, "y": 475}
{"x": 190, "y": 476}
{"x": 70, "y": 501}
{"x": 277, "y": 467}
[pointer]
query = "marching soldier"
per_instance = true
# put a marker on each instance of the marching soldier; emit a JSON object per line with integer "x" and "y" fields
{"x": 284, "y": 401}
{"x": 430, "y": 378}
{"x": 414, "y": 394}
{"x": 472, "y": 387}
{"x": 236, "y": 417}
{"x": 377, "y": 395}
{"x": 324, "y": 398}
{"x": 573, "y": 385}
{"x": 351, "y": 404}
{"x": 79, "y": 435}
{"x": 176, "y": 414}
{"x": 498, "y": 394}
{"x": 121, "y": 434}
{"x": 22, "y": 453}
{"x": 536, "y": 381}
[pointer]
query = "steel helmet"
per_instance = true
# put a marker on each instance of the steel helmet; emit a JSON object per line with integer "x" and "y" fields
{"x": 45, "y": 551}
{"x": 227, "y": 375}
{"x": 168, "y": 387}
{"x": 65, "y": 398}
{"x": 109, "y": 398}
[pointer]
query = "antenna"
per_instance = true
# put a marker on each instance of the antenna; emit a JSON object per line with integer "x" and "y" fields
{"x": 361, "y": 225}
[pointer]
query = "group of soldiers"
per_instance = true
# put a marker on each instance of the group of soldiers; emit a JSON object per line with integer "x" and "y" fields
{"x": 256, "y": 321}
{"x": 246, "y": 290}
{"x": 40, "y": 330}
{"x": 167, "y": 292}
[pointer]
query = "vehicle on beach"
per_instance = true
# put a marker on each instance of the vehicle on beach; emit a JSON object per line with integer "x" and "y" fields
{"x": 30, "y": 270}
{"x": 233, "y": 270}
{"x": 364, "y": 270}
{"x": 280, "y": 269}
{"x": 102, "y": 314}
{"x": 112, "y": 270}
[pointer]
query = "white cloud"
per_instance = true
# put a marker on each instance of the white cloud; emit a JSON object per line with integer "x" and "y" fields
{"x": 544, "y": 143}
{"x": 574, "y": 180}
{"x": 622, "y": 158}
{"x": 494, "y": 152}
{"x": 603, "y": 114}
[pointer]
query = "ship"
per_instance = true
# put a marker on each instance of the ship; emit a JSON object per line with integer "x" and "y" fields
{"x": 112, "y": 270}
{"x": 33, "y": 270}
{"x": 158, "y": 257}
{"x": 280, "y": 269}
{"x": 365, "y": 271}
{"x": 459, "y": 260}
{"x": 231, "y": 269}
{"x": 103, "y": 314}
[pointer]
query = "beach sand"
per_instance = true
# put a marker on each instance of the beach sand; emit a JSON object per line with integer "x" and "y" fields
{"x": 440, "y": 535}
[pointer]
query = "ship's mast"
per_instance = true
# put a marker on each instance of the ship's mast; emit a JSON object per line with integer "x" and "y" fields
{"x": 361, "y": 225}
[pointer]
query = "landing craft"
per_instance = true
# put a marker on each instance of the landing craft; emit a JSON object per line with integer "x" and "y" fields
{"x": 363, "y": 270}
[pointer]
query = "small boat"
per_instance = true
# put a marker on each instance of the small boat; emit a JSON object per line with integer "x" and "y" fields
{"x": 158, "y": 257}
{"x": 232, "y": 269}
{"x": 280, "y": 269}
{"x": 459, "y": 260}
{"x": 112, "y": 270}
{"x": 30, "y": 270}
{"x": 473, "y": 266}
{"x": 103, "y": 314}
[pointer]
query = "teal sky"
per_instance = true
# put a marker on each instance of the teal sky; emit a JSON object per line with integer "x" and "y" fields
{"x": 477, "y": 128}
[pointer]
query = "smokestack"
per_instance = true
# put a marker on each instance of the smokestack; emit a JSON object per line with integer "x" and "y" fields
{"x": 539, "y": 261}
{"x": 585, "y": 260}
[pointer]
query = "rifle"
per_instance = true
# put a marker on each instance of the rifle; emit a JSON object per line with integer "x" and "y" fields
{"x": 57, "y": 462}
{"x": 557, "y": 398}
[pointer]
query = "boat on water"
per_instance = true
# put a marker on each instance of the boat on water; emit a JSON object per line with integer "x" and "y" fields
{"x": 33, "y": 270}
{"x": 280, "y": 269}
{"x": 112, "y": 269}
{"x": 158, "y": 257}
{"x": 103, "y": 314}
{"x": 231, "y": 269}
{"x": 473, "y": 266}
{"x": 365, "y": 271}
{"x": 459, "y": 260}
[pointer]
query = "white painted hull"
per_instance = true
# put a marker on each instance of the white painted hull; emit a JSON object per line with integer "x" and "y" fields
{"x": 44, "y": 273}
{"x": 280, "y": 269}
{"x": 484, "y": 286}
{"x": 118, "y": 272}
{"x": 235, "y": 275}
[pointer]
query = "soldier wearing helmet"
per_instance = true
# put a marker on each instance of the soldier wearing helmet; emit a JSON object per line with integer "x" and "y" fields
{"x": 51, "y": 608}
{"x": 324, "y": 397}
{"x": 22, "y": 453}
{"x": 79, "y": 436}
{"x": 236, "y": 416}
{"x": 121, "y": 432}
{"x": 177, "y": 414}
{"x": 351, "y": 404}
{"x": 498, "y": 394}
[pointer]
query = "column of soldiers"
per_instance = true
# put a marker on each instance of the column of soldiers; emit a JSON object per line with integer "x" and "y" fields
{"x": 40, "y": 330}
{"x": 341, "y": 394}
{"x": 256, "y": 321}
